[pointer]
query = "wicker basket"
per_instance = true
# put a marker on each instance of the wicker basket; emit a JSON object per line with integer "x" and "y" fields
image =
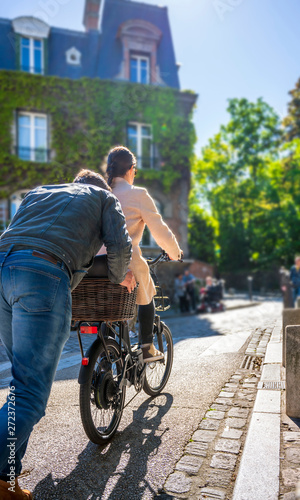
{"x": 98, "y": 299}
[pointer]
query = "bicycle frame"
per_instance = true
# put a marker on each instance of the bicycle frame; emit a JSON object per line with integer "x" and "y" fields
{"x": 131, "y": 358}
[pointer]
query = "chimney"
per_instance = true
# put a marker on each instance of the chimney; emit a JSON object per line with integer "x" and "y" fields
{"x": 91, "y": 15}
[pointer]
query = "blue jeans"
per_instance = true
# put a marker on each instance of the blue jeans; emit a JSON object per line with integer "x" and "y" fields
{"x": 296, "y": 293}
{"x": 35, "y": 316}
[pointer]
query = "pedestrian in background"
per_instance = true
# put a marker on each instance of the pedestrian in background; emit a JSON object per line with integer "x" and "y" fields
{"x": 181, "y": 294}
{"x": 189, "y": 281}
{"x": 295, "y": 278}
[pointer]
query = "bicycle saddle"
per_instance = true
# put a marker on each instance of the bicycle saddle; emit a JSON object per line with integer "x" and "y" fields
{"x": 99, "y": 268}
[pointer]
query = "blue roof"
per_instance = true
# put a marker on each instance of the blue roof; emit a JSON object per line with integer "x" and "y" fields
{"x": 102, "y": 53}
{"x": 116, "y": 12}
{"x": 7, "y": 44}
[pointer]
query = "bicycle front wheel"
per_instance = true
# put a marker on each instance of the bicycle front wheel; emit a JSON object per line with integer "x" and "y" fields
{"x": 101, "y": 402}
{"x": 157, "y": 373}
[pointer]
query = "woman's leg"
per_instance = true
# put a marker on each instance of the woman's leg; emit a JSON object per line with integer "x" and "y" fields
{"x": 146, "y": 320}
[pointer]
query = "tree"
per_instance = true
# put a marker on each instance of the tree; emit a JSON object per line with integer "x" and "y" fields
{"x": 202, "y": 229}
{"x": 236, "y": 175}
{"x": 292, "y": 121}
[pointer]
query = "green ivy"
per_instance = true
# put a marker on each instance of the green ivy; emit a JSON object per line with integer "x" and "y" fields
{"x": 87, "y": 118}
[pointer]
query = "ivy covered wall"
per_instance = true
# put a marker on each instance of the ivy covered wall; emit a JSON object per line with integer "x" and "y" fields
{"x": 87, "y": 117}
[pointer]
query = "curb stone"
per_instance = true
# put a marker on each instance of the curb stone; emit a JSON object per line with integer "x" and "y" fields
{"x": 218, "y": 442}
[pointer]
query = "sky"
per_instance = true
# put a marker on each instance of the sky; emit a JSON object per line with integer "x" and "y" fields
{"x": 227, "y": 49}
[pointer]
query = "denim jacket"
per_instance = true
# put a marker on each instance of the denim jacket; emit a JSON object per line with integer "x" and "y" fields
{"x": 72, "y": 221}
{"x": 295, "y": 277}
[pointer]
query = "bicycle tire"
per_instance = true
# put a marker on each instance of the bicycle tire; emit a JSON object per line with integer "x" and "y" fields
{"x": 157, "y": 374}
{"x": 98, "y": 392}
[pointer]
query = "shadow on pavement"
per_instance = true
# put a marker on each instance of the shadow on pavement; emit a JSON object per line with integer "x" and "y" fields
{"x": 192, "y": 327}
{"x": 117, "y": 470}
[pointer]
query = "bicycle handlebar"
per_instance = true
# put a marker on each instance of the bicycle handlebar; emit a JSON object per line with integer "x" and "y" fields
{"x": 162, "y": 257}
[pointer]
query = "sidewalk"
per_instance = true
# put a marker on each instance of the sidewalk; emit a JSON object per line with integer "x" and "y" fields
{"x": 246, "y": 448}
{"x": 231, "y": 302}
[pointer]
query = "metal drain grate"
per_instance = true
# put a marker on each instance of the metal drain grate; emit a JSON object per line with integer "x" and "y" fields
{"x": 272, "y": 385}
{"x": 251, "y": 363}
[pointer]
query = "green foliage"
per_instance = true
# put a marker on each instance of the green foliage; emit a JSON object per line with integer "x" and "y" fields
{"x": 292, "y": 121}
{"x": 87, "y": 118}
{"x": 252, "y": 189}
{"x": 202, "y": 232}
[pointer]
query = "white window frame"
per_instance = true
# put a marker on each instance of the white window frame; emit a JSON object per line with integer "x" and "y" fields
{"x": 139, "y": 142}
{"x": 32, "y": 146}
{"x": 139, "y": 67}
{"x": 31, "y": 54}
{"x": 16, "y": 199}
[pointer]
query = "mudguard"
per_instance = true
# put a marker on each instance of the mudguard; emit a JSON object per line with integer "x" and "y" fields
{"x": 91, "y": 354}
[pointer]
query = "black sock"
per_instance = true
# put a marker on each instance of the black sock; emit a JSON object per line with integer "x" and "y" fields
{"x": 4, "y": 478}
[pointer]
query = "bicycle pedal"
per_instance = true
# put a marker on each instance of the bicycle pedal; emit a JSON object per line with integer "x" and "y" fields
{"x": 135, "y": 348}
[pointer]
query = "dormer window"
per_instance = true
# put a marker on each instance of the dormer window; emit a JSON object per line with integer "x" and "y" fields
{"x": 73, "y": 56}
{"x": 140, "y": 41}
{"x": 32, "y": 55}
{"x": 31, "y": 39}
{"x": 139, "y": 69}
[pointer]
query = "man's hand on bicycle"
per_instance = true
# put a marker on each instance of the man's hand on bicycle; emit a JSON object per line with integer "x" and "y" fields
{"x": 129, "y": 281}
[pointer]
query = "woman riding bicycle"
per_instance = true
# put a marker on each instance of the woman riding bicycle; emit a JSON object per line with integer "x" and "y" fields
{"x": 139, "y": 209}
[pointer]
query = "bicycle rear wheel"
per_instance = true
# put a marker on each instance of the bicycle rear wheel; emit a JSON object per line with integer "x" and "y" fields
{"x": 101, "y": 403}
{"x": 157, "y": 373}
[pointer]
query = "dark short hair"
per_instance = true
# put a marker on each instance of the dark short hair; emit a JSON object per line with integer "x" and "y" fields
{"x": 119, "y": 161}
{"x": 86, "y": 176}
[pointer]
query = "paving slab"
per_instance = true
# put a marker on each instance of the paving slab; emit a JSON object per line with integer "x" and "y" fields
{"x": 197, "y": 448}
{"x": 291, "y": 476}
{"x": 215, "y": 414}
{"x": 238, "y": 412}
{"x": 271, "y": 373}
{"x": 236, "y": 423}
{"x": 189, "y": 464}
{"x": 229, "y": 433}
{"x": 225, "y": 461}
{"x": 219, "y": 477}
{"x": 258, "y": 476}
{"x": 204, "y": 436}
{"x": 212, "y": 494}
{"x": 178, "y": 482}
{"x": 274, "y": 353}
{"x": 267, "y": 402}
{"x": 291, "y": 436}
{"x": 210, "y": 424}
{"x": 228, "y": 445}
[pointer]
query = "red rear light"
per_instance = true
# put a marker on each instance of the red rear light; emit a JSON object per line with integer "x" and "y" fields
{"x": 88, "y": 329}
{"x": 85, "y": 361}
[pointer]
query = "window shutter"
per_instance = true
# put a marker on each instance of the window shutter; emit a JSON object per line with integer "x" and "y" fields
{"x": 18, "y": 50}
{"x": 46, "y": 57}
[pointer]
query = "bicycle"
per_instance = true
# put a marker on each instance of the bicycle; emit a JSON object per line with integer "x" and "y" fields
{"x": 110, "y": 366}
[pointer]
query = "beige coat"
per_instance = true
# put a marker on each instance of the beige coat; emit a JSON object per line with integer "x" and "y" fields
{"x": 139, "y": 209}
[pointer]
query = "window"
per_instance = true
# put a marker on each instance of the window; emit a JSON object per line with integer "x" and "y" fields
{"x": 73, "y": 56}
{"x": 139, "y": 139}
{"x": 139, "y": 69}
{"x": 147, "y": 239}
{"x": 15, "y": 202}
{"x": 32, "y": 55}
{"x": 32, "y": 137}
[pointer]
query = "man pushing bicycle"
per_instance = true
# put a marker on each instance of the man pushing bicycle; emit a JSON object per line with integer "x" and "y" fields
{"x": 45, "y": 252}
